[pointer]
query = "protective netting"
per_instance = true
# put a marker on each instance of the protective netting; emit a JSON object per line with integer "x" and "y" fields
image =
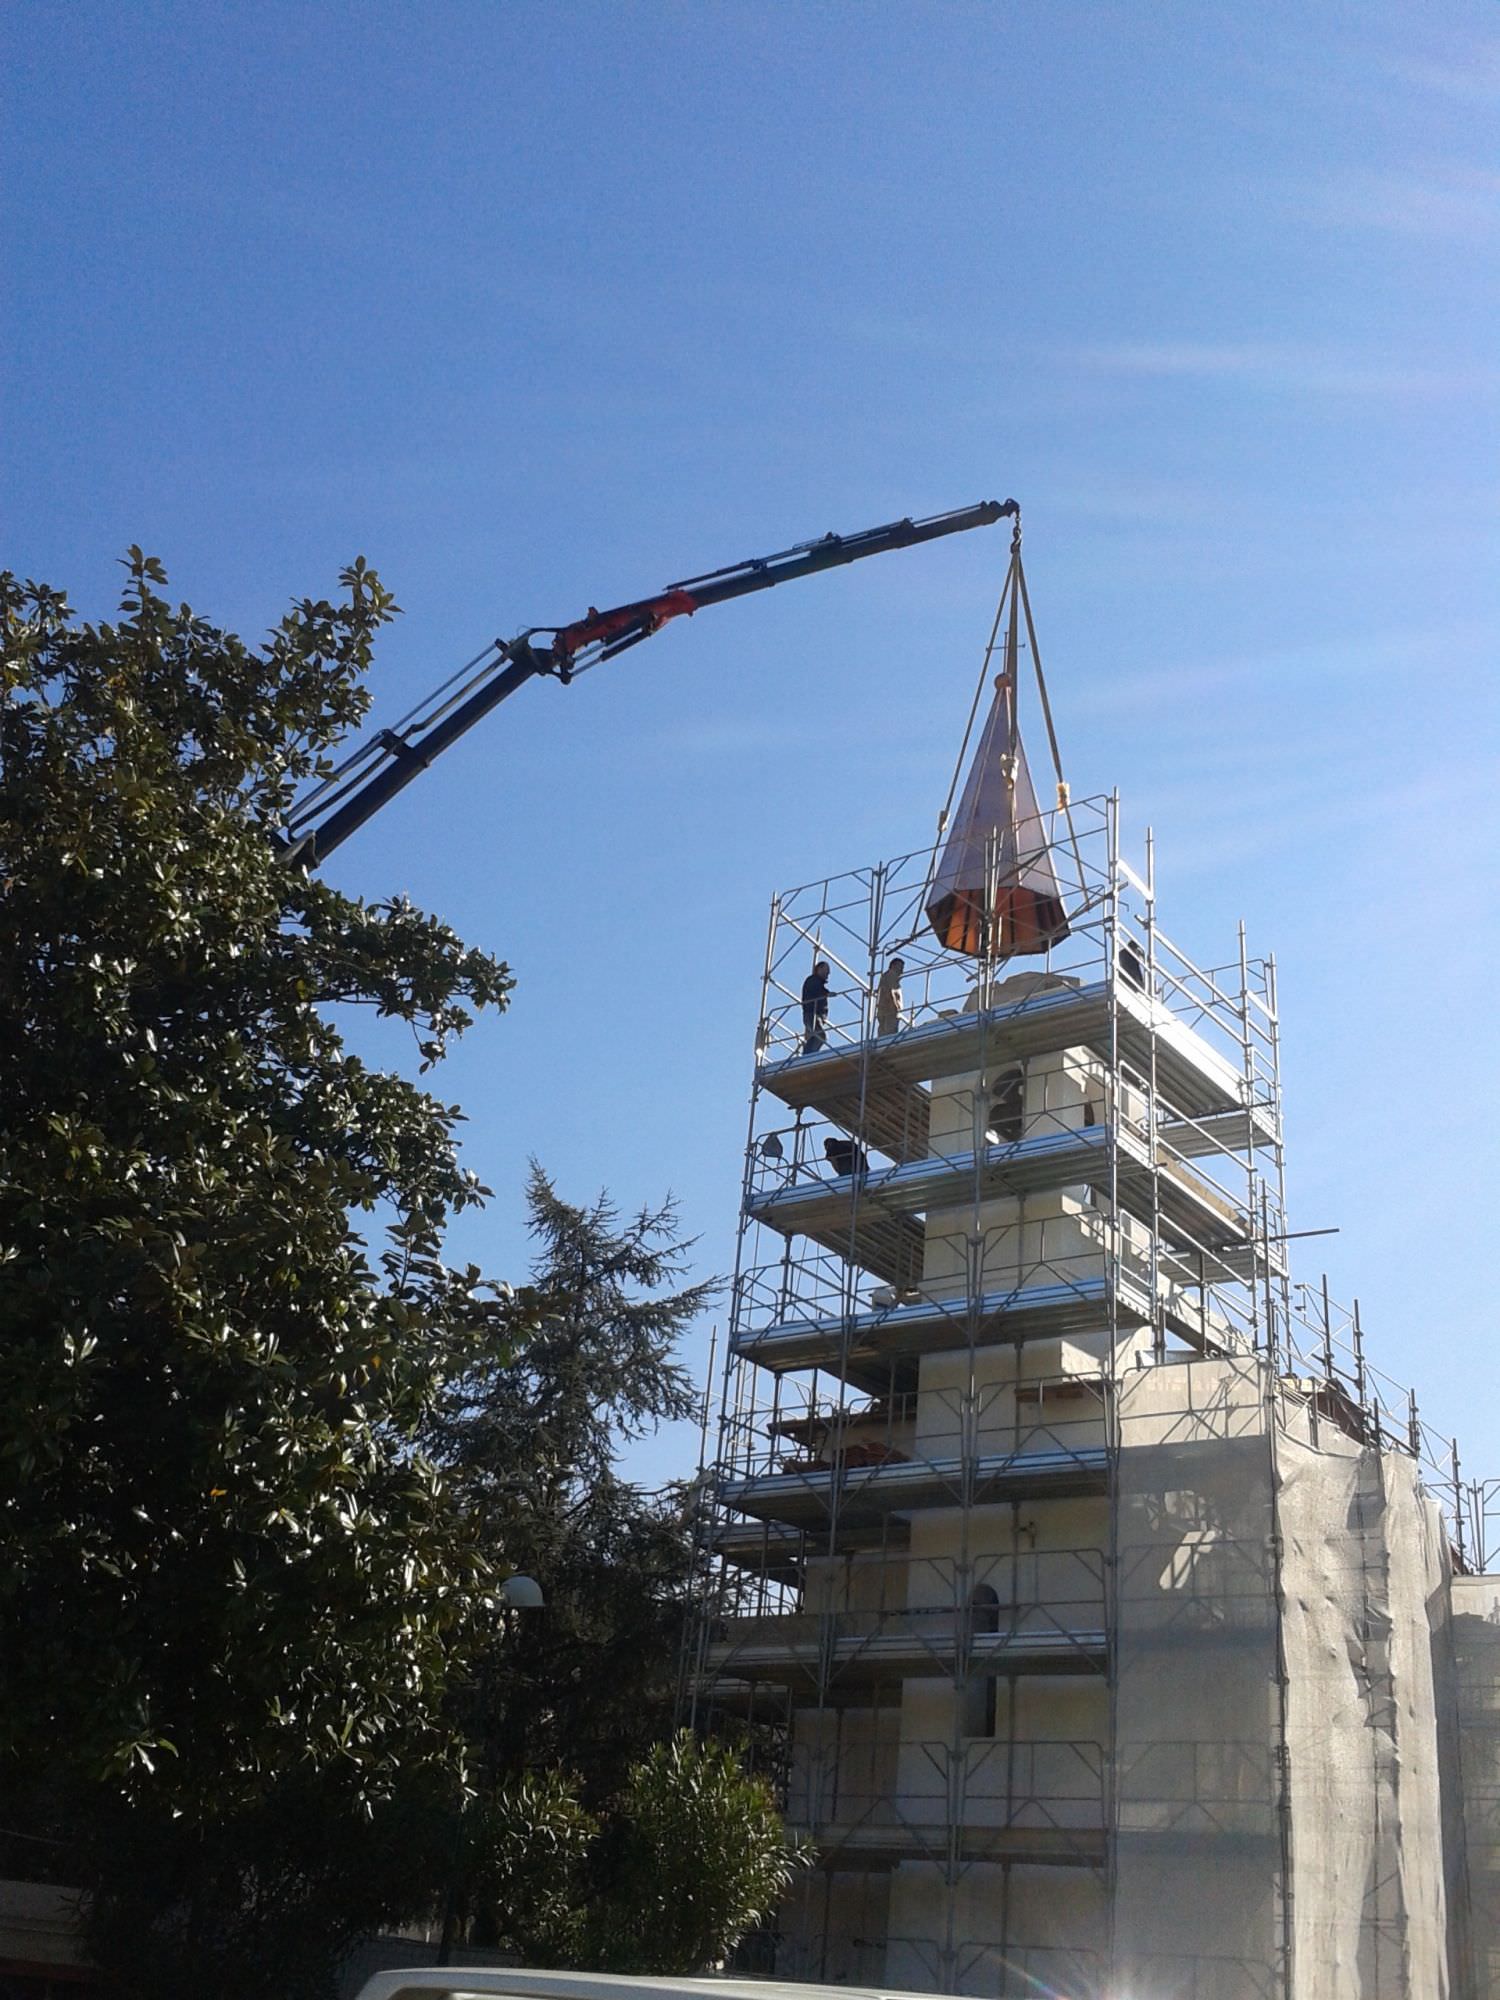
{"x": 1198, "y": 1876}
{"x": 1304, "y": 1796}
{"x": 1364, "y": 1561}
{"x": 1476, "y": 1656}
{"x": 1280, "y": 1778}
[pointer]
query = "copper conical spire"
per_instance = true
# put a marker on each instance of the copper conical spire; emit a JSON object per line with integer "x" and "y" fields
{"x": 995, "y": 892}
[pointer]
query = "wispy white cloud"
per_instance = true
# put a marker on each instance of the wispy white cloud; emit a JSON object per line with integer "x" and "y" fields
{"x": 1457, "y": 647}
{"x": 1458, "y": 203}
{"x": 1423, "y": 804}
{"x": 1142, "y": 496}
{"x": 1287, "y": 366}
{"x": 1473, "y": 80}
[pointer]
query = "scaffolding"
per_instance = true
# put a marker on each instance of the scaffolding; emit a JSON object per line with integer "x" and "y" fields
{"x": 1027, "y": 1441}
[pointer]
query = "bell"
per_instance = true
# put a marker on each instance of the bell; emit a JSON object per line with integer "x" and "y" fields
{"x": 995, "y": 893}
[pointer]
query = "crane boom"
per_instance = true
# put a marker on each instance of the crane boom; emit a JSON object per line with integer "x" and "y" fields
{"x": 389, "y": 760}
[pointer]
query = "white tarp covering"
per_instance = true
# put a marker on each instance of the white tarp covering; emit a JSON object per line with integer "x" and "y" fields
{"x": 1363, "y": 1558}
{"x": 1280, "y": 1801}
{"x": 1476, "y": 1649}
{"x": 1304, "y": 1796}
{"x": 1197, "y": 1909}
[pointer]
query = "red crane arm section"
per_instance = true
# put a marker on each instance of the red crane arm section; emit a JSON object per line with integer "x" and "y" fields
{"x": 649, "y": 614}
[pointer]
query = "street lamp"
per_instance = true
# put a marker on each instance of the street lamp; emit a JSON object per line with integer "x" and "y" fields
{"x": 522, "y": 1593}
{"x": 517, "y": 1594}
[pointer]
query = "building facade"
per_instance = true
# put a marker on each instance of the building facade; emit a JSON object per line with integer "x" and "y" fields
{"x": 1091, "y": 1591}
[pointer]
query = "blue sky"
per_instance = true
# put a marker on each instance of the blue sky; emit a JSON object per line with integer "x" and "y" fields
{"x": 539, "y": 306}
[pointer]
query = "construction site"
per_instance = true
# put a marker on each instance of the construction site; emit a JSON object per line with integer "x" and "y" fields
{"x": 1113, "y": 1628}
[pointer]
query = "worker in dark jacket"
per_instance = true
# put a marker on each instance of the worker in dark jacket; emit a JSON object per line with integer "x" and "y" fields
{"x": 815, "y": 1008}
{"x": 846, "y": 1156}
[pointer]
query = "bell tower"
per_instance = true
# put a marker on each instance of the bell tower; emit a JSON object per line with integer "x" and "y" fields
{"x": 1032, "y": 1456}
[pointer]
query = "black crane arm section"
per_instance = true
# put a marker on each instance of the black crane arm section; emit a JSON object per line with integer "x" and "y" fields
{"x": 389, "y": 760}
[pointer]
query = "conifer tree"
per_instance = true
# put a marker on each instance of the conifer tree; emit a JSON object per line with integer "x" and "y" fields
{"x": 533, "y": 1446}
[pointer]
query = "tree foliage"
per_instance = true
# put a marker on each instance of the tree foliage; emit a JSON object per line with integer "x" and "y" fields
{"x": 225, "y": 1308}
{"x": 666, "y": 1878}
{"x": 532, "y": 1443}
{"x": 264, "y": 1453}
{"x": 523, "y": 1871}
{"x": 262, "y": 1902}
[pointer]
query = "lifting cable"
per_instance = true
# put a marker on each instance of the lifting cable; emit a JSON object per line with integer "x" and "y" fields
{"x": 1013, "y": 595}
{"x": 1064, "y": 795}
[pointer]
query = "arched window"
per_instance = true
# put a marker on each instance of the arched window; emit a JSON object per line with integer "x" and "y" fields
{"x": 1007, "y": 1113}
{"x": 981, "y": 1688}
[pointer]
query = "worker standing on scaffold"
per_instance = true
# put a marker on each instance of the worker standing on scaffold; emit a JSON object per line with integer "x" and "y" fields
{"x": 890, "y": 1002}
{"x": 815, "y": 1008}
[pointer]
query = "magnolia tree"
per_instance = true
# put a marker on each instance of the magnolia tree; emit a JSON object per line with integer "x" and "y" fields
{"x": 227, "y": 1565}
{"x": 265, "y": 1456}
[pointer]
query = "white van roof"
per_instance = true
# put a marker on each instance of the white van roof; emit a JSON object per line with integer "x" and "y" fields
{"x": 462, "y": 1981}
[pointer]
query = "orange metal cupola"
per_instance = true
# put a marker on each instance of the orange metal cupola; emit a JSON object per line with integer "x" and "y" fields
{"x": 994, "y": 892}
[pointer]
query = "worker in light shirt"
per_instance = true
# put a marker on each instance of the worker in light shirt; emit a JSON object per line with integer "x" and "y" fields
{"x": 890, "y": 1002}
